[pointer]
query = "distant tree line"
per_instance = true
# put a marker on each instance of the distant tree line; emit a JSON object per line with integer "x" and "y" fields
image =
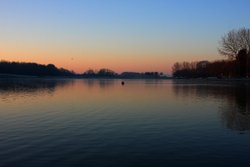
{"x": 235, "y": 45}
{"x": 152, "y": 75}
{"x": 107, "y": 73}
{"x": 204, "y": 69}
{"x": 104, "y": 72}
{"x": 221, "y": 68}
{"x": 32, "y": 69}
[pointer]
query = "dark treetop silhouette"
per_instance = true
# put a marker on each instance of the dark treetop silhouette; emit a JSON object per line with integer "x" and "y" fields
{"x": 234, "y": 41}
{"x": 235, "y": 45}
{"x": 32, "y": 69}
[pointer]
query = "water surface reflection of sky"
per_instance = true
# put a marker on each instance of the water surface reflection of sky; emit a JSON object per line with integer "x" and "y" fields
{"x": 65, "y": 122}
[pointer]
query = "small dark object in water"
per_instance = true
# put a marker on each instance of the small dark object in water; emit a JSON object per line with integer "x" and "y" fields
{"x": 122, "y": 82}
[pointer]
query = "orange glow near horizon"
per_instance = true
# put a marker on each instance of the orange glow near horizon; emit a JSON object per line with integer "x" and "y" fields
{"x": 119, "y": 35}
{"x": 119, "y": 58}
{"x": 82, "y": 61}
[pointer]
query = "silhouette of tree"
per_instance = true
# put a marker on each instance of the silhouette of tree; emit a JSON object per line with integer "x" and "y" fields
{"x": 106, "y": 73}
{"x": 203, "y": 69}
{"x": 176, "y": 67}
{"x": 234, "y": 41}
{"x": 242, "y": 63}
{"x": 32, "y": 69}
{"x": 90, "y": 73}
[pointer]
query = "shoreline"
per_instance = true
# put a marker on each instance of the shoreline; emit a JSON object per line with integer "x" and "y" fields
{"x": 14, "y": 76}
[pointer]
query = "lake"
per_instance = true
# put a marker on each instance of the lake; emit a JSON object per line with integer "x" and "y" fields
{"x": 74, "y": 122}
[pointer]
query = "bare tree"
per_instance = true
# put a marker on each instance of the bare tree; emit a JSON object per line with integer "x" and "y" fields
{"x": 176, "y": 67}
{"x": 234, "y": 41}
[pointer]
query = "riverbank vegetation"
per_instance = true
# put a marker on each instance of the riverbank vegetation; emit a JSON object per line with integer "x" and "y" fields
{"x": 21, "y": 69}
{"x": 235, "y": 45}
{"x": 32, "y": 69}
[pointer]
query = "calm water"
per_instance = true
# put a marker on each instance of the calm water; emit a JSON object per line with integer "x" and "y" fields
{"x": 143, "y": 123}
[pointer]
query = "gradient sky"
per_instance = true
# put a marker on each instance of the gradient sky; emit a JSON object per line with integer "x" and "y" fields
{"x": 123, "y": 35}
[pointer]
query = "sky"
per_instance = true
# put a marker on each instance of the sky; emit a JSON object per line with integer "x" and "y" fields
{"x": 122, "y": 35}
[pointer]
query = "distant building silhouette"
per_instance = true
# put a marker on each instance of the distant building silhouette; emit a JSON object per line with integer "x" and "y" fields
{"x": 202, "y": 64}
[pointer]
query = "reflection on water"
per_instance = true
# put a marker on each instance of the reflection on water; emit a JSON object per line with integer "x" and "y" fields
{"x": 236, "y": 113}
{"x": 68, "y": 122}
{"x": 102, "y": 83}
{"x": 11, "y": 90}
{"x": 30, "y": 85}
{"x": 234, "y": 97}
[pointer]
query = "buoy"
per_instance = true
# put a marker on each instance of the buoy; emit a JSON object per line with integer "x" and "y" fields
{"x": 122, "y": 82}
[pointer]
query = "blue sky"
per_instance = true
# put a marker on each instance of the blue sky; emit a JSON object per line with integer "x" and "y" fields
{"x": 97, "y": 33}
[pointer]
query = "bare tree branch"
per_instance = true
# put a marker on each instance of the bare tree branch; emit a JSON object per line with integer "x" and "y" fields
{"x": 234, "y": 41}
